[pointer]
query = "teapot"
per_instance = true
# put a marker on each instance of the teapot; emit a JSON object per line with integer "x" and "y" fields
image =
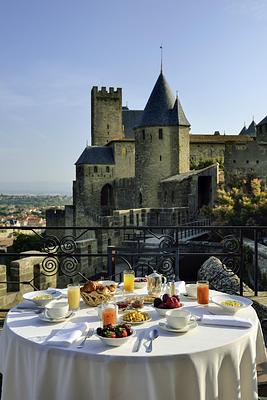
{"x": 154, "y": 283}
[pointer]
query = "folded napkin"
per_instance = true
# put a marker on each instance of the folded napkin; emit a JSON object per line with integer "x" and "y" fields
{"x": 67, "y": 335}
{"x": 226, "y": 320}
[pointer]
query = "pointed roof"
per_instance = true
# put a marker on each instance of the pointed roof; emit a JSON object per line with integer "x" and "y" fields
{"x": 243, "y": 131}
{"x": 251, "y": 131}
{"x": 161, "y": 108}
{"x": 96, "y": 155}
{"x": 263, "y": 122}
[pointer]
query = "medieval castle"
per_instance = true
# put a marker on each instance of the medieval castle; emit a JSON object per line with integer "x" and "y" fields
{"x": 137, "y": 169}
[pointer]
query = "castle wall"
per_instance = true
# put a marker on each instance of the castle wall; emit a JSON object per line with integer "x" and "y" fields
{"x": 206, "y": 151}
{"x": 124, "y": 193}
{"x": 246, "y": 159}
{"x": 106, "y": 115}
{"x": 157, "y": 159}
{"x": 124, "y": 154}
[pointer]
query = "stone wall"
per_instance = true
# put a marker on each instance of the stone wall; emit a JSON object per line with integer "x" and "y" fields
{"x": 246, "y": 159}
{"x": 24, "y": 269}
{"x": 106, "y": 115}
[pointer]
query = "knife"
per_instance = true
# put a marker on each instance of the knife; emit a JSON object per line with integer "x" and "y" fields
{"x": 137, "y": 344}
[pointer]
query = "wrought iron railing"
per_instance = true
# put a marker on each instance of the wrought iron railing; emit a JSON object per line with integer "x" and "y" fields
{"x": 90, "y": 252}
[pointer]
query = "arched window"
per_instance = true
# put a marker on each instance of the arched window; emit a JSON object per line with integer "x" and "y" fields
{"x": 95, "y": 168}
{"x": 160, "y": 134}
{"x": 107, "y": 169}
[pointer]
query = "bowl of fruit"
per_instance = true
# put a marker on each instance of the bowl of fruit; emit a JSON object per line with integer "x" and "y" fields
{"x": 167, "y": 303}
{"x": 140, "y": 283}
{"x": 115, "y": 335}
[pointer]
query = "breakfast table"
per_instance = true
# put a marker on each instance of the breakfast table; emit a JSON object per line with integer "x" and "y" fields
{"x": 208, "y": 362}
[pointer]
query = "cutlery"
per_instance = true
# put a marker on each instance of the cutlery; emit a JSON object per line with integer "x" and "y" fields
{"x": 152, "y": 335}
{"x": 89, "y": 334}
{"x": 138, "y": 343}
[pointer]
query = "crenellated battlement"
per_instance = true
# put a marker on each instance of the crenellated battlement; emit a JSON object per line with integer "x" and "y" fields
{"x": 106, "y": 92}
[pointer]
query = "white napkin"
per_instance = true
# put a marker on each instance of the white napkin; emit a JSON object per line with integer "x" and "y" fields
{"x": 180, "y": 286}
{"x": 226, "y": 320}
{"x": 68, "y": 335}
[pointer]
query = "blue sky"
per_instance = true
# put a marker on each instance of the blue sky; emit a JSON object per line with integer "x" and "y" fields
{"x": 54, "y": 51}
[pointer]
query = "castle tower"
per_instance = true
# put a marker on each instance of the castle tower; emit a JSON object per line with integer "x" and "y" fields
{"x": 106, "y": 115}
{"x": 162, "y": 144}
{"x": 262, "y": 131}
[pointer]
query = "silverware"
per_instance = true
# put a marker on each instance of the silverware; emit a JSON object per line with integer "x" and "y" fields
{"x": 152, "y": 335}
{"x": 137, "y": 344}
{"x": 89, "y": 334}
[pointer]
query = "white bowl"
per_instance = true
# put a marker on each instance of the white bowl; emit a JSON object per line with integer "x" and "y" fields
{"x": 162, "y": 311}
{"x": 32, "y": 296}
{"x": 140, "y": 285}
{"x": 115, "y": 342}
{"x": 243, "y": 301}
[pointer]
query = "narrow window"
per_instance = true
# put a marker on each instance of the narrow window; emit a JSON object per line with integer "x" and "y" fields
{"x": 140, "y": 199}
{"x": 234, "y": 161}
{"x": 160, "y": 134}
{"x": 144, "y": 134}
{"x": 95, "y": 168}
{"x": 107, "y": 126}
{"x": 151, "y": 138}
{"x": 247, "y": 161}
{"x": 257, "y": 161}
{"x": 160, "y": 158}
{"x": 107, "y": 169}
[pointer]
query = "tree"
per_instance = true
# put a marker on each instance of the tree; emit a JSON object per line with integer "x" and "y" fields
{"x": 24, "y": 242}
{"x": 243, "y": 204}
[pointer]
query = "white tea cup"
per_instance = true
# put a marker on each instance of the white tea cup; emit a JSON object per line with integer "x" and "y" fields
{"x": 56, "y": 309}
{"x": 178, "y": 319}
{"x": 191, "y": 289}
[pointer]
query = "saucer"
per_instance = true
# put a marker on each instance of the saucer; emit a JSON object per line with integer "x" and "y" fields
{"x": 46, "y": 319}
{"x": 165, "y": 327}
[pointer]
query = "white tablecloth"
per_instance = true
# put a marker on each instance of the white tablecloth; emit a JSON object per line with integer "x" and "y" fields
{"x": 206, "y": 363}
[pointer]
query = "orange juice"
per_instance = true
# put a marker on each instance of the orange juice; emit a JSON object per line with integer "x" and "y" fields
{"x": 128, "y": 281}
{"x": 74, "y": 297}
{"x": 203, "y": 292}
{"x": 109, "y": 316}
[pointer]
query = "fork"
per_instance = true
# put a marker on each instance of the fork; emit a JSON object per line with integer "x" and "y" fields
{"x": 88, "y": 335}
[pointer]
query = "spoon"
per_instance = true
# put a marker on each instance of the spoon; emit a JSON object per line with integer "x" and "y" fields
{"x": 152, "y": 335}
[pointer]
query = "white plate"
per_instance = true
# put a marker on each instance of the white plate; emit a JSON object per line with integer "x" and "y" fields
{"x": 56, "y": 294}
{"x": 245, "y": 302}
{"x": 165, "y": 327}
{"x": 45, "y": 319}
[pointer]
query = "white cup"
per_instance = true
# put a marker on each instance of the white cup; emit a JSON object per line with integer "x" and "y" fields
{"x": 178, "y": 319}
{"x": 191, "y": 289}
{"x": 56, "y": 309}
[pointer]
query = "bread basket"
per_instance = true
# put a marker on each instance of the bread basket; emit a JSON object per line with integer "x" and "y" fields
{"x": 95, "y": 298}
{"x": 95, "y": 293}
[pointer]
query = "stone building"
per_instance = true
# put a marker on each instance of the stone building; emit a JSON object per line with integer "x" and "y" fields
{"x": 250, "y": 158}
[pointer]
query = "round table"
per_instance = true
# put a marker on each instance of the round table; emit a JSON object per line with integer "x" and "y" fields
{"x": 205, "y": 363}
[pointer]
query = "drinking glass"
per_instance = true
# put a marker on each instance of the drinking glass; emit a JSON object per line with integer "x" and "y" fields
{"x": 109, "y": 314}
{"x": 128, "y": 281}
{"x": 74, "y": 296}
{"x": 203, "y": 292}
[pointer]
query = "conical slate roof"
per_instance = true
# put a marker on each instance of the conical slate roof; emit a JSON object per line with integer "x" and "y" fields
{"x": 243, "y": 131}
{"x": 161, "y": 108}
{"x": 263, "y": 122}
{"x": 251, "y": 131}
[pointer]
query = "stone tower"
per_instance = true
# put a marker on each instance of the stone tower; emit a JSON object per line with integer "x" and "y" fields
{"x": 262, "y": 131}
{"x": 162, "y": 144}
{"x": 106, "y": 115}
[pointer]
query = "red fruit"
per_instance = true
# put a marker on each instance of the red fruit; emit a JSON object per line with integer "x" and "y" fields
{"x": 170, "y": 303}
{"x": 176, "y": 297}
{"x": 165, "y": 297}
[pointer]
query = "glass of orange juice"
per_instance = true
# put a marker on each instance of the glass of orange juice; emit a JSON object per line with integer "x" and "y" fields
{"x": 74, "y": 296}
{"x": 128, "y": 281}
{"x": 203, "y": 292}
{"x": 109, "y": 314}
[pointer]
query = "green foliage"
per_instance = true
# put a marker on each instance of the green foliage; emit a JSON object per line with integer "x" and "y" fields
{"x": 206, "y": 162}
{"x": 26, "y": 242}
{"x": 243, "y": 204}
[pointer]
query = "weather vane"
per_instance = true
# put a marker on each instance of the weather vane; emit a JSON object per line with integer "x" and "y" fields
{"x": 161, "y": 57}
